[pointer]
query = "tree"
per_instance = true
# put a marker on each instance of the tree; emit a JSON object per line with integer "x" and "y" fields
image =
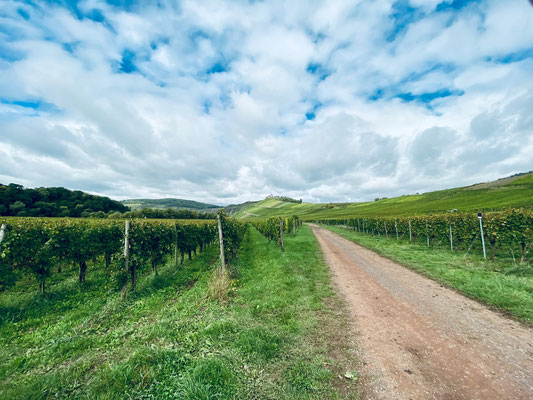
{"x": 16, "y": 207}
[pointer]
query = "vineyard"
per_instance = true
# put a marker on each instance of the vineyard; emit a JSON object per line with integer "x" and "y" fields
{"x": 273, "y": 228}
{"x": 504, "y": 232}
{"x": 36, "y": 245}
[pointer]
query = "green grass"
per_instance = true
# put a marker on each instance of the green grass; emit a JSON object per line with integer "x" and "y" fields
{"x": 502, "y": 284}
{"x": 280, "y": 333}
{"x": 514, "y": 192}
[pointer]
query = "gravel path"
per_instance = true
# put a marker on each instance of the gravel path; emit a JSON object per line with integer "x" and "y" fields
{"x": 419, "y": 340}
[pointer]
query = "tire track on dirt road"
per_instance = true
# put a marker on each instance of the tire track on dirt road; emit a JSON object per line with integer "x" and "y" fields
{"x": 419, "y": 340}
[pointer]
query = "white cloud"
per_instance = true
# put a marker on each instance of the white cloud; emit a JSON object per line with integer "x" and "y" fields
{"x": 227, "y": 102}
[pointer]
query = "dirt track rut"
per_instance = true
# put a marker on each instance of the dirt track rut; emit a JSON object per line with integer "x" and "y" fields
{"x": 419, "y": 340}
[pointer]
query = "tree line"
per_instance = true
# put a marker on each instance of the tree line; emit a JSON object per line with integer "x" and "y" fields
{"x": 18, "y": 201}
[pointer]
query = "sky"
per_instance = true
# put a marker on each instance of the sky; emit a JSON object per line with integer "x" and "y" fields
{"x": 229, "y": 101}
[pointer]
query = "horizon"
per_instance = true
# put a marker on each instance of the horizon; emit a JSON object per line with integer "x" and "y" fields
{"x": 281, "y": 195}
{"x": 224, "y": 102}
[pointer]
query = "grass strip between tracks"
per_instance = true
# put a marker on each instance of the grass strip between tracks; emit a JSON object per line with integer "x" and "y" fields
{"x": 281, "y": 332}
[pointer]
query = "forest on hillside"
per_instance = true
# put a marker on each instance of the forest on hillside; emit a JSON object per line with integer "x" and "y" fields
{"x": 15, "y": 200}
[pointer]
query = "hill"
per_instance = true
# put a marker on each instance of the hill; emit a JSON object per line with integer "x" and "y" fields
{"x": 15, "y": 200}
{"x": 139, "y": 204}
{"x": 234, "y": 209}
{"x": 515, "y": 191}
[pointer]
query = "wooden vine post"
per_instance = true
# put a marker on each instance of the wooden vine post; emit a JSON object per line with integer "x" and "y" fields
{"x": 126, "y": 257}
{"x": 175, "y": 245}
{"x": 427, "y": 232}
{"x": 294, "y": 226}
{"x": 281, "y": 235}
{"x": 221, "y": 241}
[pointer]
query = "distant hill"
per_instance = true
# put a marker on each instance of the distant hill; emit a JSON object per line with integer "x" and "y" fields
{"x": 234, "y": 209}
{"x": 177, "y": 204}
{"x": 514, "y": 191}
{"x": 15, "y": 200}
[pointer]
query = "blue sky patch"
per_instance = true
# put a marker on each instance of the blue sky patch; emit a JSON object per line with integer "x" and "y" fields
{"x": 430, "y": 96}
{"x": 127, "y": 64}
{"x": 311, "y": 114}
{"x": 318, "y": 70}
{"x": 31, "y": 104}
{"x": 377, "y": 94}
{"x": 454, "y": 5}
{"x": 70, "y": 47}
{"x": 512, "y": 57}
{"x": 395, "y": 90}
{"x": 403, "y": 14}
{"x": 23, "y": 14}
{"x": 95, "y": 15}
{"x": 218, "y": 67}
{"x": 126, "y": 5}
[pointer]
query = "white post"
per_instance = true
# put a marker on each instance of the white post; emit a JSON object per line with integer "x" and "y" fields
{"x": 410, "y": 235}
{"x": 396, "y": 227}
{"x": 126, "y": 244}
{"x": 221, "y": 241}
{"x": 2, "y": 232}
{"x": 451, "y": 237}
{"x": 480, "y": 217}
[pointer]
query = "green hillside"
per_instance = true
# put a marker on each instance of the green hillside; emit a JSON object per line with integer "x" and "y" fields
{"x": 515, "y": 191}
{"x": 18, "y": 201}
{"x": 138, "y": 204}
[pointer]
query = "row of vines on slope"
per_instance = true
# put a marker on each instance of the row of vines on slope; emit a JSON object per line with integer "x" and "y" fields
{"x": 233, "y": 234}
{"x": 273, "y": 228}
{"x": 36, "y": 245}
{"x": 504, "y": 231}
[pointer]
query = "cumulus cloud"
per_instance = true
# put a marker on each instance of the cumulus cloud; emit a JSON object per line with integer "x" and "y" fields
{"x": 230, "y": 101}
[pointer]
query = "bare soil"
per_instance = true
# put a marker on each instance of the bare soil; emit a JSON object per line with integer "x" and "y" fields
{"x": 420, "y": 340}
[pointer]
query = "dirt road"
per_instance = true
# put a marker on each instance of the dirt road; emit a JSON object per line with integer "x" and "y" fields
{"x": 419, "y": 340}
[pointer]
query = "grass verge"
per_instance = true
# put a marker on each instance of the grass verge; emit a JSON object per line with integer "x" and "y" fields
{"x": 503, "y": 285}
{"x": 279, "y": 333}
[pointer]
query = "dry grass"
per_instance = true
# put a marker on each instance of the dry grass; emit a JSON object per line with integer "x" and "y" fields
{"x": 219, "y": 284}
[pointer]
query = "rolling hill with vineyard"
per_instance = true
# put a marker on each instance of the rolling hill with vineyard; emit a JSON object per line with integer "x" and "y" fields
{"x": 511, "y": 192}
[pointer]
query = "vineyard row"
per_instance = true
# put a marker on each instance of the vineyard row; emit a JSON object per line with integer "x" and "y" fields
{"x": 508, "y": 230}
{"x": 273, "y": 228}
{"x": 35, "y": 245}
